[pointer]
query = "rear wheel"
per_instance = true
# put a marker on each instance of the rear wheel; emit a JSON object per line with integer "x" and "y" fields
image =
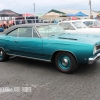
{"x": 3, "y": 55}
{"x": 65, "y": 62}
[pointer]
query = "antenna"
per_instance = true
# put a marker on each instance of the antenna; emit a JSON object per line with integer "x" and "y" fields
{"x": 34, "y": 7}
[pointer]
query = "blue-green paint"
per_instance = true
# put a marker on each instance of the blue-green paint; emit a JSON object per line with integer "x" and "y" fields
{"x": 62, "y": 64}
{"x": 44, "y": 48}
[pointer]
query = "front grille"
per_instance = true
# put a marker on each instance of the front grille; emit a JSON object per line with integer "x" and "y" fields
{"x": 98, "y": 47}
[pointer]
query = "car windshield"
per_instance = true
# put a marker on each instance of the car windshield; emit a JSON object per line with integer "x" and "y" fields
{"x": 97, "y": 23}
{"x": 50, "y": 30}
{"x": 89, "y": 23}
{"x": 92, "y": 23}
{"x": 79, "y": 25}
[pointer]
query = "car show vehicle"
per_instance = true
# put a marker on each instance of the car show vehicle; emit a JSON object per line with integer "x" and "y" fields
{"x": 77, "y": 26}
{"x": 92, "y": 23}
{"x": 48, "y": 42}
{"x": 1, "y": 28}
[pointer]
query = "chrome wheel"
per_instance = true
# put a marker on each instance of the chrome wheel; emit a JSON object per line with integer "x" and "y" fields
{"x": 64, "y": 62}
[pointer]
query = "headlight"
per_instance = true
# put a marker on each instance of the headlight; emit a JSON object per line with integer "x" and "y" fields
{"x": 95, "y": 50}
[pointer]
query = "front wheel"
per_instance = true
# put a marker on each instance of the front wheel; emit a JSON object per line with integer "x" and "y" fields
{"x": 65, "y": 62}
{"x": 3, "y": 55}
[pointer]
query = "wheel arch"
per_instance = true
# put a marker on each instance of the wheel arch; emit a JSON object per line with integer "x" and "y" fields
{"x": 3, "y": 55}
{"x": 56, "y": 52}
{"x": 3, "y": 49}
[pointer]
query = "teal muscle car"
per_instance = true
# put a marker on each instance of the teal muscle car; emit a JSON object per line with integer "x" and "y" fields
{"x": 49, "y": 42}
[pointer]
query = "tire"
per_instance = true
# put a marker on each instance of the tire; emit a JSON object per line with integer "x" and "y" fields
{"x": 3, "y": 55}
{"x": 65, "y": 62}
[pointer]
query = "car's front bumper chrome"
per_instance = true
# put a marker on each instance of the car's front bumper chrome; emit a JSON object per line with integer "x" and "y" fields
{"x": 93, "y": 59}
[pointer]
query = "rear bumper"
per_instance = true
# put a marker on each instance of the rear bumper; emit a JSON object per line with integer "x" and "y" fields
{"x": 94, "y": 58}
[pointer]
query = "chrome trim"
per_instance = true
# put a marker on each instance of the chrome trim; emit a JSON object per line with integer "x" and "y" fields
{"x": 32, "y": 31}
{"x": 64, "y": 62}
{"x": 64, "y": 51}
{"x": 37, "y": 32}
{"x": 97, "y": 49}
{"x": 1, "y": 52}
{"x": 91, "y": 60}
{"x": 18, "y": 32}
{"x": 28, "y": 57}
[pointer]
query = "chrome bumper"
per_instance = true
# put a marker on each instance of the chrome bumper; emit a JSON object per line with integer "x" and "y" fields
{"x": 93, "y": 59}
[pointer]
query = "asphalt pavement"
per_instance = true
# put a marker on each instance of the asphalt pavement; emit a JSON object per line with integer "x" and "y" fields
{"x": 26, "y": 79}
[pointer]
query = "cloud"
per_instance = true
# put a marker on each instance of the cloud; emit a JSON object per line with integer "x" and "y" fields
{"x": 2, "y": 6}
{"x": 23, "y": 6}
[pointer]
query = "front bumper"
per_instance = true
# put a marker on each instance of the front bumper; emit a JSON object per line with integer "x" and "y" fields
{"x": 93, "y": 59}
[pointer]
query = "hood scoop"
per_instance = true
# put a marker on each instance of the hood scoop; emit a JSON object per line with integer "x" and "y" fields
{"x": 67, "y": 38}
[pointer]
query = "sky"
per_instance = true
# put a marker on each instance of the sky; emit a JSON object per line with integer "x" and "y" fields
{"x": 43, "y": 6}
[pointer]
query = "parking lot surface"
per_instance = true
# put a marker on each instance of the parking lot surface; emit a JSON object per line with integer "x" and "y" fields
{"x": 26, "y": 79}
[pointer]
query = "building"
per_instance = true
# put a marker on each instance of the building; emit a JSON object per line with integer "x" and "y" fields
{"x": 56, "y": 14}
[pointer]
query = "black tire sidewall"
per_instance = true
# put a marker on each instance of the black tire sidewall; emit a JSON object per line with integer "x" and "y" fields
{"x": 3, "y": 55}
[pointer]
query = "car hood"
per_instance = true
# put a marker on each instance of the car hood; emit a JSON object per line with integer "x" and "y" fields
{"x": 77, "y": 38}
{"x": 95, "y": 27}
{"x": 95, "y": 31}
{"x": 73, "y": 38}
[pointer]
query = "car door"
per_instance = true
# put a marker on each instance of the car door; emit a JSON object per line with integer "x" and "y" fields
{"x": 27, "y": 43}
{"x": 10, "y": 43}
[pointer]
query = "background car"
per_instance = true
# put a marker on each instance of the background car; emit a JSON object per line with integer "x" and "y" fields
{"x": 77, "y": 26}
{"x": 49, "y": 42}
{"x": 92, "y": 23}
{"x": 1, "y": 28}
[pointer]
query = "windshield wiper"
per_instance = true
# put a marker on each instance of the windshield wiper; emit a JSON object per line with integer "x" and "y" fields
{"x": 79, "y": 27}
{"x": 67, "y": 38}
{"x": 52, "y": 35}
{"x": 56, "y": 34}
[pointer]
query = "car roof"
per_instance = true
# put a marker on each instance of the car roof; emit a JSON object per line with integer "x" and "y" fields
{"x": 33, "y": 24}
{"x": 70, "y": 21}
{"x": 26, "y": 25}
{"x": 88, "y": 20}
{"x": 78, "y": 20}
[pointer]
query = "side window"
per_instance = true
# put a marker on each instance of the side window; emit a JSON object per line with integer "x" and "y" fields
{"x": 13, "y": 33}
{"x": 25, "y": 32}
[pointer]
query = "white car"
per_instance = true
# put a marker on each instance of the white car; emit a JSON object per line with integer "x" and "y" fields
{"x": 92, "y": 23}
{"x": 77, "y": 26}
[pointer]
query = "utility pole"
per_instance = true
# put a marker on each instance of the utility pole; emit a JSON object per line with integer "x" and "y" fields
{"x": 34, "y": 13}
{"x": 91, "y": 16}
{"x": 34, "y": 7}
